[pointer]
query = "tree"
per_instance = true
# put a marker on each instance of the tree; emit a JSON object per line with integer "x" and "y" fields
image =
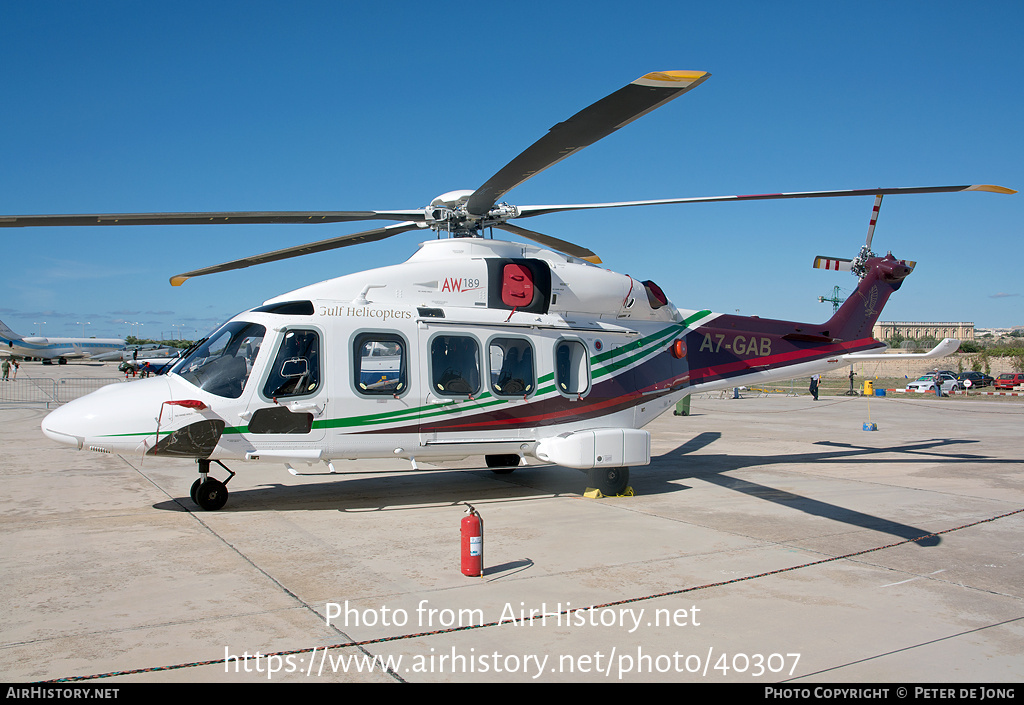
{"x": 976, "y": 364}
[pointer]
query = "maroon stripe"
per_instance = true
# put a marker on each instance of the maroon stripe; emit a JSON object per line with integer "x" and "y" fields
{"x": 782, "y": 359}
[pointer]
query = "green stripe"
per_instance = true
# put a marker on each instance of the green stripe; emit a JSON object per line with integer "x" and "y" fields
{"x": 628, "y": 354}
{"x": 636, "y": 349}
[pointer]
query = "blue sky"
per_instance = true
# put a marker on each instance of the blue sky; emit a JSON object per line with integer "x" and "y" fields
{"x": 196, "y": 106}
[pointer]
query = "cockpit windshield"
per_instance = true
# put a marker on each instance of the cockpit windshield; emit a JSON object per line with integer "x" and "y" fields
{"x": 222, "y": 364}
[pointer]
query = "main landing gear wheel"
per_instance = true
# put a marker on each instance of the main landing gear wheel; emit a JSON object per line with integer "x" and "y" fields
{"x": 208, "y": 493}
{"x": 611, "y": 481}
{"x": 502, "y": 464}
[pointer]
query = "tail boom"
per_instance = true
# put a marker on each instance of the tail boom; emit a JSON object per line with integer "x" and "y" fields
{"x": 738, "y": 350}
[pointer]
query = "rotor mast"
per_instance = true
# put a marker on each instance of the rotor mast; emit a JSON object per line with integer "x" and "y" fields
{"x": 448, "y": 213}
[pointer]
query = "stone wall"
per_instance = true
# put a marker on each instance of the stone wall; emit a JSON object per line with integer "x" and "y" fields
{"x": 912, "y": 368}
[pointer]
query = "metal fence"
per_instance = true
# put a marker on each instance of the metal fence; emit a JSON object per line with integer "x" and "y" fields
{"x": 789, "y": 388}
{"x": 50, "y": 392}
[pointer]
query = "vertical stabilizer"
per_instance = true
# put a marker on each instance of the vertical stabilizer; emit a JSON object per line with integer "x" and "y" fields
{"x": 8, "y": 334}
{"x": 856, "y": 318}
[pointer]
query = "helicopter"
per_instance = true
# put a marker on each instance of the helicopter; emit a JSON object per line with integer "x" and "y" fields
{"x": 513, "y": 351}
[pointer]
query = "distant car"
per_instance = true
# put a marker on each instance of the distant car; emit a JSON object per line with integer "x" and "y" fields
{"x": 1009, "y": 380}
{"x": 977, "y": 379}
{"x": 926, "y": 383}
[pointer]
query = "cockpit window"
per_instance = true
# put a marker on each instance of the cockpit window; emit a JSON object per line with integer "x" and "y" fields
{"x": 296, "y": 370}
{"x": 222, "y": 364}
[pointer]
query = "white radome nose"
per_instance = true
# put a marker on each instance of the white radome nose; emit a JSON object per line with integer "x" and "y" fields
{"x": 115, "y": 418}
{"x": 58, "y": 426}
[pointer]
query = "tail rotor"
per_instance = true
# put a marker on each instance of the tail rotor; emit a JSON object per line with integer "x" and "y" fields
{"x": 857, "y": 265}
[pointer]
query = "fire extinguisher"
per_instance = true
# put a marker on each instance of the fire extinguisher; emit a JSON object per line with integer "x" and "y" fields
{"x": 472, "y": 543}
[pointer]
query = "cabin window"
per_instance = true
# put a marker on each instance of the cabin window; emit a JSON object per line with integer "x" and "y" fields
{"x": 296, "y": 369}
{"x": 455, "y": 365}
{"x": 380, "y": 364}
{"x": 221, "y": 365}
{"x": 512, "y": 371}
{"x": 572, "y": 374}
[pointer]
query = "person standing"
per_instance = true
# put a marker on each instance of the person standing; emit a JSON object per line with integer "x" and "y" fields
{"x": 6, "y": 365}
{"x": 814, "y": 386}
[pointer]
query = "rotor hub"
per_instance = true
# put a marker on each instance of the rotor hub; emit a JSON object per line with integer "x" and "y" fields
{"x": 448, "y": 213}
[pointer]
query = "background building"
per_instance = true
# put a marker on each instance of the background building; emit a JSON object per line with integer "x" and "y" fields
{"x": 885, "y": 330}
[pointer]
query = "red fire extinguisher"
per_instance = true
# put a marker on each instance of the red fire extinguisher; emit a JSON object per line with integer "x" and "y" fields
{"x": 472, "y": 543}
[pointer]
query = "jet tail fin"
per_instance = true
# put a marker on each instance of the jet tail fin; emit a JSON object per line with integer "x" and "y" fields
{"x": 6, "y": 332}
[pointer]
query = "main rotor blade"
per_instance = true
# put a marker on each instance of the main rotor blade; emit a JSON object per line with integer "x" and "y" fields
{"x": 552, "y": 242}
{"x": 529, "y": 211}
{"x": 310, "y": 248}
{"x": 224, "y": 218}
{"x": 584, "y": 128}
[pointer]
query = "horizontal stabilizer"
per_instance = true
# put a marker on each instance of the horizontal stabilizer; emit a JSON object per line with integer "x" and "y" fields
{"x": 948, "y": 346}
{"x": 834, "y": 263}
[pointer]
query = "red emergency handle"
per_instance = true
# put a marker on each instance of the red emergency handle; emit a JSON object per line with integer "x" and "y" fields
{"x": 472, "y": 543}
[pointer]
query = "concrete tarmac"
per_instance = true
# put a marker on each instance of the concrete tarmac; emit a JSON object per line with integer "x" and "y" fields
{"x": 770, "y": 541}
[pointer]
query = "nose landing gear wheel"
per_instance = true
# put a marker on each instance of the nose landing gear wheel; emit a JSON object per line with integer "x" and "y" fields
{"x": 208, "y": 493}
{"x": 211, "y": 495}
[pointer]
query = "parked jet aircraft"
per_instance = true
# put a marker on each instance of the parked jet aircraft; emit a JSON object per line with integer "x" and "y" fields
{"x": 130, "y": 352}
{"x": 50, "y": 349}
{"x": 152, "y": 364}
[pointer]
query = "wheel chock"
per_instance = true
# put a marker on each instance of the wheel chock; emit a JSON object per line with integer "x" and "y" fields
{"x": 594, "y": 493}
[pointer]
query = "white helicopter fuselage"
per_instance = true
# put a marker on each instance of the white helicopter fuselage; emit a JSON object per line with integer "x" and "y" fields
{"x": 471, "y": 347}
{"x": 416, "y": 319}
